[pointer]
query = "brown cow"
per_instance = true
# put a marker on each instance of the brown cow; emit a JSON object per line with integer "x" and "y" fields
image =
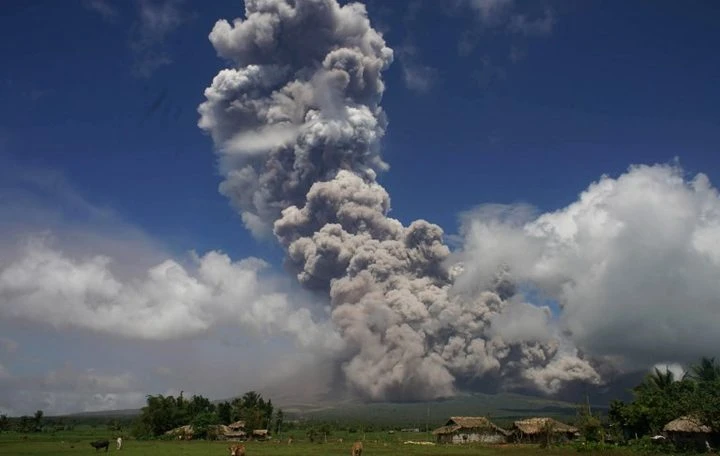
{"x": 237, "y": 450}
{"x": 357, "y": 449}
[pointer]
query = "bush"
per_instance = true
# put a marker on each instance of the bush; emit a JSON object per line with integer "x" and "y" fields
{"x": 204, "y": 426}
{"x": 590, "y": 446}
{"x": 648, "y": 445}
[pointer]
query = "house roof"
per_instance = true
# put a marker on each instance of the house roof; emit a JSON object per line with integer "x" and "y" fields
{"x": 237, "y": 425}
{"x": 537, "y": 425}
{"x": 687, "y": 424}
{"x": 446, "y": 429}
{"x": 187, "y": 429}
{"x": 456, "y": 423}
{"x": 260, "y": 432}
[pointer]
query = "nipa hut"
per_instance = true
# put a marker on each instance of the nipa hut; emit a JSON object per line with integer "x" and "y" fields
{"x": 237, "y": 426}
{"x": 235, "y": 431}
{"x": 220, "y": 432}
{"x": 182, "y": 432}
{"x": 467, "y": 429}
{"x": 260, "y": 434}
{"x": 688, "y": 431}
{"x": 542, "y": 430}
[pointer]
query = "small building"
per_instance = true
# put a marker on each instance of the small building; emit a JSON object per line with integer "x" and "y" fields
{"x": 690, "y": 432}
{"x": 235, "y": 431}
{"x": 237, "y": 426}
{"x": 260, "y": 434}
{"x": 469, "y": 429}
{"x": 183, "y": 432}
{"x": 542, "y": 430}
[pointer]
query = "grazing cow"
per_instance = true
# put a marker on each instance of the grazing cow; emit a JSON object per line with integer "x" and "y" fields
{"x": 237, "y": 450}
{"x": 357, "y": 449}
{"x": 119, "y": 442}
{"x": 100, "y": 444}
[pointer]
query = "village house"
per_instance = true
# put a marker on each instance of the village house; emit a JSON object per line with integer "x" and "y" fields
{"x": 235, "y": 431}
{"x": 688, "y": 431}
{"x": 260, "y": 434}
{"x": 469, "y": 429}
{"x": 542, "y": 430}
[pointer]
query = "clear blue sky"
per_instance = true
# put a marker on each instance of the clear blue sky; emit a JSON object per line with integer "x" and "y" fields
{"x": 530, "y": 107}
{"x": 613, "y": 83}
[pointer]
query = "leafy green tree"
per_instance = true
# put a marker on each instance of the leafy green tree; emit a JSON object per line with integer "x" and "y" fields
{"x": 204, "y": 425}
{"x": 659, "y": 380}
{"x": 268, "y": 414}
{"x": 114, "y": 425}
{"x": 279, "y": 417}
{"x": 38, "y": 420}
{"x": 588, "y": 424}
{"x": 224, "y": 412}
{"x": 4, "y": 423}
{"x": 311, "y": 434}
{"x": 254, "y": 410}
{"x": 661, "y": 398}
{"x": 705, "y": 403}
{"x": 163, "y": 413}
{"x": 199, "y": 405}
{"x": 25, "y": 424}
{"x": 250, "y": 399}
{"x": 707, "y": 370}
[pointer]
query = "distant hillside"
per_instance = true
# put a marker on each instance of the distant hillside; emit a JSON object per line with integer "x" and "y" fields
{"x": 502, "y": 407}
{"x": 107, "y": 413}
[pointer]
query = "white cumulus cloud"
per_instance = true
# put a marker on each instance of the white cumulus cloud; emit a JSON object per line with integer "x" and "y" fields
{"x": 43, "y": 284}
{"x": 633, "y": 263}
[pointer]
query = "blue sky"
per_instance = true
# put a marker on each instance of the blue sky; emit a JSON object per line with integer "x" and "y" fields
{"x": 610, "y": 85}
{"x": 481, "y": 110}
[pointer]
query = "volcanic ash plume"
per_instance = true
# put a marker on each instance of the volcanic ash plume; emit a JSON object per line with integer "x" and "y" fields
{"x": 297, "y": 125}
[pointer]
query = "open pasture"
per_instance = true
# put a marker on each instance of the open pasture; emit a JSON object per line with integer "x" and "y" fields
{"x": 78, "y": 443}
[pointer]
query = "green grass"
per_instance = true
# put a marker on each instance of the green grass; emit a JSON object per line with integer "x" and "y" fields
{"x": 78, "y": 443}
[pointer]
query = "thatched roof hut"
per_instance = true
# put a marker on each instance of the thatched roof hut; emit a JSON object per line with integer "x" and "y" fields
{"x": 219, "y": 431}
{"x": 182, "y": 431}
{"x": 260, "y": 434}
{"x": 237, "y": 425}
{"x": 465, "y": 429}
{"x": 688, "y": 425}
{"x": 536, "y": 430}
{"x": 689, "y": 432}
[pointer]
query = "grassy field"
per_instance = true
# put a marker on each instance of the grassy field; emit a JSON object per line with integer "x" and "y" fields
{"x": 77, "y": 443}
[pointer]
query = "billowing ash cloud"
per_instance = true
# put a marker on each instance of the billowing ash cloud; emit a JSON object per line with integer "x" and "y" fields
{"x": 297, "y": 126}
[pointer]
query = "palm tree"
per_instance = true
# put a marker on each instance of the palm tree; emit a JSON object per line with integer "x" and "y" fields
{"x": 707, "y": 370}
{"x": 251, "y": 399}
{"x": 659, "y": 380}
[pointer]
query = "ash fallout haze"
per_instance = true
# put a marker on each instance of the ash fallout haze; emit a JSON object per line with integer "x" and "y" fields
{"x": 571, "y": 168}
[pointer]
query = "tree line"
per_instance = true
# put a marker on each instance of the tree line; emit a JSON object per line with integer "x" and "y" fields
{"x": 164, "y": 413}
{"x": 663, "y": 397}
{"x": 24, "y": 423}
